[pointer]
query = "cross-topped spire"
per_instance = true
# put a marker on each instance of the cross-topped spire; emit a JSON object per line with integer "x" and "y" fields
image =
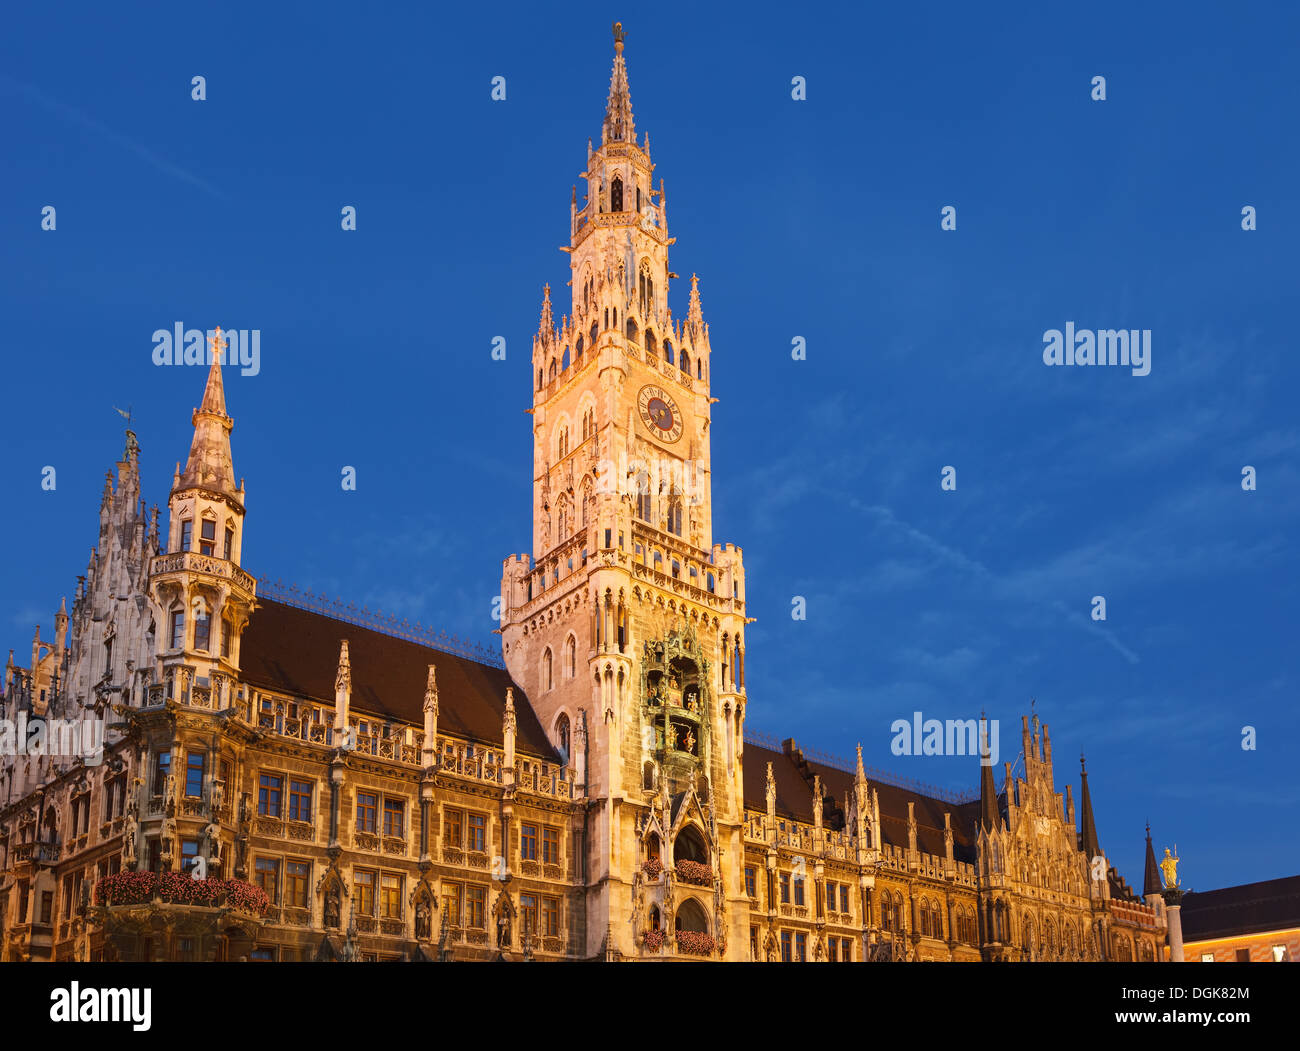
{"x": 618, "y": 111}
{"x": 209, "y": 465}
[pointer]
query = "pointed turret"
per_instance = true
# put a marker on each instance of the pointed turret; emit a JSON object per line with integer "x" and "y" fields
{"x": 990, "y": 816}
{"x": 430, "y": 749}
{"x": 1088, "y": 827}
{"x": 618, "y": 125}
{"x": 694, "y": 315}
{"x": 546, "y": 326}
{"x": 1151, "y": 876}
{"x": 209, "y": 465}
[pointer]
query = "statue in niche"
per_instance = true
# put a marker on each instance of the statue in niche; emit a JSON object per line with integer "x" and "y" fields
{"x": 423, "y": 917}
{"x": 332, "y": 906}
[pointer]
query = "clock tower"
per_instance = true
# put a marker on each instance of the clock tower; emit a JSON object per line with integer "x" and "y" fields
{"x": 625, "y": 625}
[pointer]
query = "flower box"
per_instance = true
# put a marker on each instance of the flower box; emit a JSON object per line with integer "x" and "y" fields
{"x": 695, "y": 872}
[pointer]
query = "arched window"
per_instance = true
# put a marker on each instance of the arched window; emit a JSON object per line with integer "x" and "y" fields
{"x": 643, "y": 496}
{"x": 551, "y": 373}
{"x": 616, "y": 195}
{"x": 699, "y": 368}
{"x": 593, "y": 333}
{"x": 631, "y": 330}
{"x": 562, "y": 735}
{"x": 650, "y": 339}
{"x": 925, "y": 918}
{"x": 710, "y": 582}
{"x": 686, "y": 363}
{"x": 577, "y": 348}
{"x": 540, "y": 379}
{"x": 547, "y": 680}
{"x": 562, "y": 444}
{"x": 675, "y": 515}
{"x": 668, "y": 352}
{"x": 570, "y": 660}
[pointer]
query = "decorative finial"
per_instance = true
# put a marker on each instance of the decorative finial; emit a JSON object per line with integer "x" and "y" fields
{"x": 218, "y": 345}
{"x": 618, "y": 38}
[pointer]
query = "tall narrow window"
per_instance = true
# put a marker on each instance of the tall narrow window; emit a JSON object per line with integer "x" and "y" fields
{"x": 162, "y": 767}
{"x": 547, "y": 680}
{"x": 230, "y": 544}
{"x": 268, "y": 877}
{"x": 187, "y": 534}
{"x": 178, "y": 629}
{"x": 195, "y": 762}
{"x": 367, "y": 811}
{"x": 269, "y": 790}
{"x": 202, "y": 629}
{"x": 208, "y": 537}
{"x": 616, "y": 195}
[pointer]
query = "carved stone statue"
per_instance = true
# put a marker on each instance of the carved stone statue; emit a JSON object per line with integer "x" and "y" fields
{"x": 332, "y": 906}
{"x": 503, "y": 930}
{"x": 423, "y": 917}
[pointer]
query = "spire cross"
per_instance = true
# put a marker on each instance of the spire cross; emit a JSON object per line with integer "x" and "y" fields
{"x": 218, "y": 345}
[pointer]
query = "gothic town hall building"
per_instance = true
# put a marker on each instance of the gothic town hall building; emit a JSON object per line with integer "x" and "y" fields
{"x": 285, "y": 779}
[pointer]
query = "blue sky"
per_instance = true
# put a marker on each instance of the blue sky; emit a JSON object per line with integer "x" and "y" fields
{"x": 817, "y": 219}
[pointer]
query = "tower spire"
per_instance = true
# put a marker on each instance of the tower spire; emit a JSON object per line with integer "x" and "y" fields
{"x": 209, "y": 465}
{"x": 618, "y": 110}
{"x": 1088, "y": 826}
{"x": 1151, "y": 877}
{"x": 990, "y": 817}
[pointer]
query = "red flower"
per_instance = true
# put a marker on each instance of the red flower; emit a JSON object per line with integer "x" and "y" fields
{"x": 176, "y": 888}
{"x": 652, "y": 868}
{"x": 696, "y": 943}
{"x": 695, "y": 872}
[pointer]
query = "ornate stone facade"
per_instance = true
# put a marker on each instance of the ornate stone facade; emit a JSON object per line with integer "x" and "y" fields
{"x": 353, "y": 791}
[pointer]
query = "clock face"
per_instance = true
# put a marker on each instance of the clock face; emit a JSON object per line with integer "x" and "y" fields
{"x": 660, "y": 413}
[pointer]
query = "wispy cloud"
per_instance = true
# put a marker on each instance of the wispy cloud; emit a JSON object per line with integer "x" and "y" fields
{"x": 82, "y": 119}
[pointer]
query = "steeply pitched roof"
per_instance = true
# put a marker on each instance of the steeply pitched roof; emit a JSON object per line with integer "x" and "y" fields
{"x": 794, "y": 800}
{"x": 296, "y": 651}
{"x": 1251, "y": 908}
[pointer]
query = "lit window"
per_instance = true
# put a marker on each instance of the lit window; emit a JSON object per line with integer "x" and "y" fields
{"x": 551, "y": 917}
{"x": 452, "y": 895}
{"x": 367, "y": 811}
{"x": 390, "y": 896}
{"x": 528, "y": 912}
{"x": 363, "y": 883}
{"x": 270, "y": 788}
{"x": 451, "y": 836}
{"x": 475, "y": 902}
{"x": 296, "y": 878}
{"x": 268, "y": 877}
